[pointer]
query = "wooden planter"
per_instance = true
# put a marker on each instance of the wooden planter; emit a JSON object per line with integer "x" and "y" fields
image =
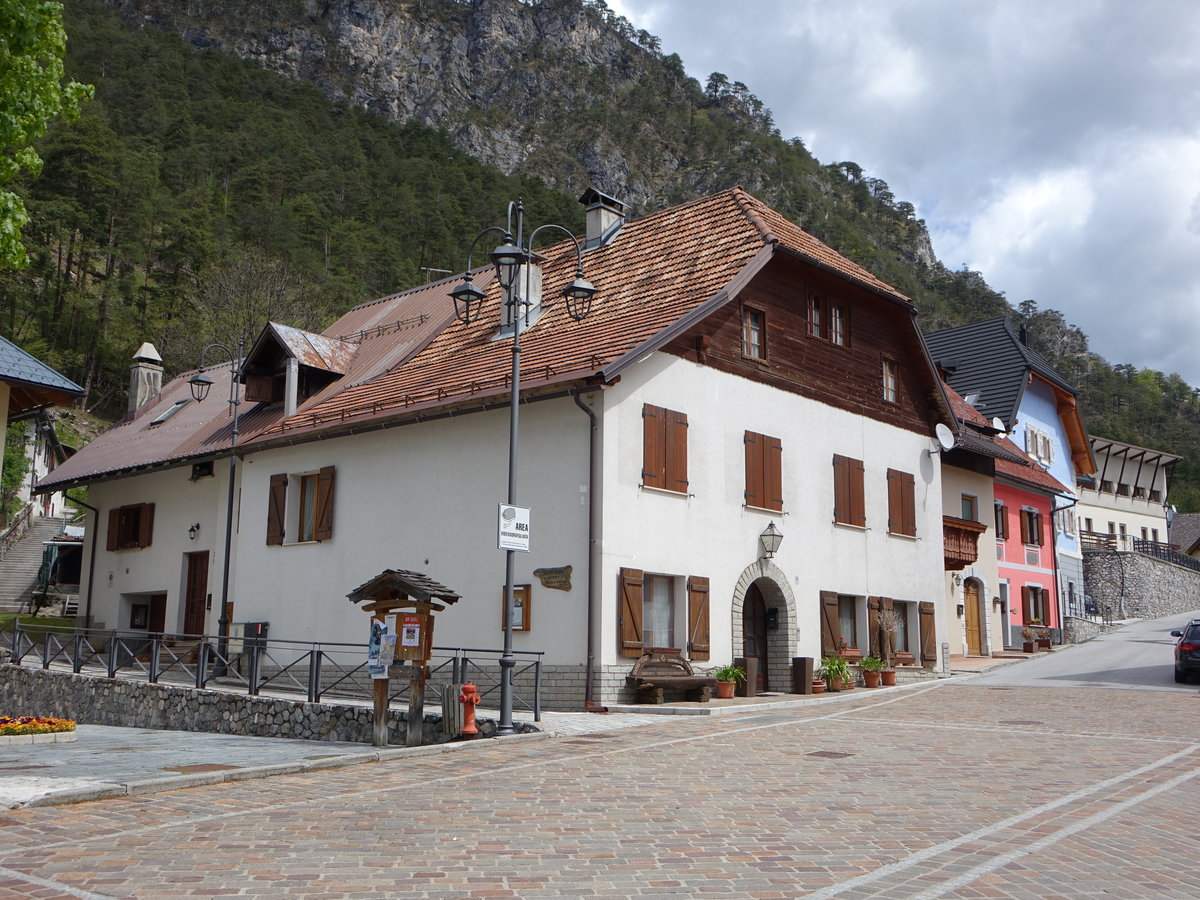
{"x": 904, "y": 659}
{"x": 1029, "y": 647}
{"x": 888, "y": 677}
{"x": 871, "y": 679}
{"x": 725, "y": 690}
{"x": 1043, "y": 643}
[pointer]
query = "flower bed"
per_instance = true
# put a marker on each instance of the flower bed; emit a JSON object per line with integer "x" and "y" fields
{"x": 11, "y": 726}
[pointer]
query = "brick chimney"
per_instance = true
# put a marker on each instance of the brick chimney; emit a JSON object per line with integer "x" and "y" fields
{"x": 145, "y": 377}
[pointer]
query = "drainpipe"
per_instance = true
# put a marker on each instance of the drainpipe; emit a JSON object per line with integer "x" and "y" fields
{"x": 589, "y": 704}
{"x": 91, "y": 582}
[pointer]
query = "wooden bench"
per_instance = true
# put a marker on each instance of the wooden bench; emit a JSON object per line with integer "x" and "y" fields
{"x": 662, "y": 669}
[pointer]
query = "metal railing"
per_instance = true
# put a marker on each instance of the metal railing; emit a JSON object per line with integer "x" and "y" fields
{"x": 253, "y": 664}
{"x": 1098, "y": 540}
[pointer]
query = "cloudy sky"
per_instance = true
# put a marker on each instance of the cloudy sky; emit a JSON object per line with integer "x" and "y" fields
{"x": 1053, "y": 145}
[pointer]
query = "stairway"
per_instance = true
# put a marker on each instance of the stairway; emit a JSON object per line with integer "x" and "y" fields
{"x": 19, "y": 568}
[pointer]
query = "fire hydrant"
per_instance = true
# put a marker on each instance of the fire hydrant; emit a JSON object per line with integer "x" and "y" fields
{"x": 469, "y": 698}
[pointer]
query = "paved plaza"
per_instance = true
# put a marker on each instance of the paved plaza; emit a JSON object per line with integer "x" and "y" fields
{"x": 951, "y": 789}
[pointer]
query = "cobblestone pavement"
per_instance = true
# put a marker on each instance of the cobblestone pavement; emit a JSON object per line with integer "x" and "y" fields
{"x": 951, "y": 790}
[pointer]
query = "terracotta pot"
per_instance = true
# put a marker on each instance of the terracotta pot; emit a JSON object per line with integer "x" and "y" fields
{"x": 818, "y": 686}
{"x": 888, "y": 677}
{"x": 848, "y": 684}
{"x": 725, "y": 690}
{"x": 871, "y": 679}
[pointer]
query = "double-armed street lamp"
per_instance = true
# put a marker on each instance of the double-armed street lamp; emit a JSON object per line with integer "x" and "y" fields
{"x": 513, "y": 253}
{"x": 200, "y": 385}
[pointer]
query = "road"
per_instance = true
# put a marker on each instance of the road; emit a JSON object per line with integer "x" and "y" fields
{"x": 1074, "y": 785}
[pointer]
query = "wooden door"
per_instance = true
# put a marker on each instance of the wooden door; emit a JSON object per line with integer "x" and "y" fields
{"x": 754, "y": 633}
{"x": 974, "y": 621}
{"x": 195, "y": 592}
{"x": 158, "y": 613}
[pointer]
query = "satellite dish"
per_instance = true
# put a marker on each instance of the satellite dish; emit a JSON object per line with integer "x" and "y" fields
{"x": 945, "y": 436}
{"x": 998, "y": 424}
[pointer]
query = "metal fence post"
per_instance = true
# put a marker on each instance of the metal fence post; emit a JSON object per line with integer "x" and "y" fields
{"x": 255, "y": 650}
{"x": 46, "y": 650}
{"x": 113, "y": 641}
{"x": 77, "y": 658}
{"x": 314, "y": 676}
{"x": 537, "y": 690}
{"x": 154, "y": 652}
{"x": 202, "y": 664}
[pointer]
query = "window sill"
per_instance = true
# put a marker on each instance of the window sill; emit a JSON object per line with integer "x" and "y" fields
{"x": 902, "y": 535}
{"x": 756, "y": 360}
{"x": 762, "y": 509}
{"x": 665, "y": 491}
{"x": 849, "y": 527}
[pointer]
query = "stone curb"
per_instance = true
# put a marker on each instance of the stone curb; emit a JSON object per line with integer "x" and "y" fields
{"x": 47, "y": 737}
{"x": 109, "y": 790}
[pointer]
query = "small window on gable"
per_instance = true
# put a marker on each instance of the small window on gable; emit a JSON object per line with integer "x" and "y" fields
{"x": 890, "y": 381}
{"x": 816, "y": 316}
{"x": 837, "y": 324}
{"x": 754, "y": 333}
{"x": 300, "y": 507}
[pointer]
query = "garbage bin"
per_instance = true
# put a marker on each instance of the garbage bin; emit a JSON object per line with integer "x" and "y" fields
{"x": 802, "y": 674}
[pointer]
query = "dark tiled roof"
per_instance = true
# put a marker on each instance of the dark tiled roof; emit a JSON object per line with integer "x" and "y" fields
{"x": 32, "y": 383}
{"x": 988, "y": 358}
{"x": 975, "y": 433}
{"x": 412, "y": 584}
{"x": 1184, "y": 531}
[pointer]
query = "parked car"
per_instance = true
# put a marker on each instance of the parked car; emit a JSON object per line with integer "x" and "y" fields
{"x": 1187, "y": 651}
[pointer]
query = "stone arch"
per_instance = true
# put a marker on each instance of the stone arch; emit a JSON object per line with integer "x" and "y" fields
{"x": 781, "y": 642}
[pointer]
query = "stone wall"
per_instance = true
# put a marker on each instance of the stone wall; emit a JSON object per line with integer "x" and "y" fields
{"x": 1136, "y": 586}
{"x": 93, "y": 700}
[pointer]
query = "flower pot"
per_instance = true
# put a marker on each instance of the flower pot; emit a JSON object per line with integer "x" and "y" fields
{"x": 818, "y": 686}
{"x": 849, "y": 683}
{"x": 1029, "y": 647}
{"x": 725, "y": 690}
{"x": 1043, "y": 643}
{"x": 871, "y": 679}
{"x": 888, "y": 677}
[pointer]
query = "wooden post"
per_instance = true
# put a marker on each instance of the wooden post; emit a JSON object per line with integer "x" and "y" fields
{"x": 416, "y": 706}
{"x": 380, "y": 735}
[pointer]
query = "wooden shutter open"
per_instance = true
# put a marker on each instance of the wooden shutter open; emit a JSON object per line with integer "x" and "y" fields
{"x": 908, "y": 504}
{"x": 654, "y": 446}
{"x": 112, "y": 541}
{"x": 677, "y": 461}
{"x": 831, "y": 630}
{"x": 895, "y": 502}
{"x": 1001, "y": 521}
{"x": 773, "y": 473}
{"x": 276, "y": 506}
{"x": 841, "y": 489}
{"x": 1035, "y": 528}
{"x": 874, "y": 644}
{"x": 858, "y": 506}
{"x": 325, "y": 481}
{"x": 145, "y": 525}
{"x": 629, "y": 615}
{"x": 928, "y": 635}
{"x": 698, "y": 630}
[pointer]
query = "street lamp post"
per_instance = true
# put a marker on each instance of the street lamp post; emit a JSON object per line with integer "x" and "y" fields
{"x": 513, "y": 252}
{"x": 200, "y": 384}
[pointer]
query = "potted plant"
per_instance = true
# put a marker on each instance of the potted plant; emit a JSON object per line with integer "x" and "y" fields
{"x": 872, "y": 667}
{"x": 852, "y": 654}
{"x": 1043, "y": 638}
{"x": 835, "y": 670}
{"x": 727, "y": 679}
{"x": 889, "y": 622}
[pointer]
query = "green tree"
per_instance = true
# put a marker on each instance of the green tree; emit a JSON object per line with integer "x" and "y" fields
{"x": 32, "y": 92}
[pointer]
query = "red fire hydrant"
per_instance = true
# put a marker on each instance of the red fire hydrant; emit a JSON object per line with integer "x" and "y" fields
{"x": 469, "y": 698}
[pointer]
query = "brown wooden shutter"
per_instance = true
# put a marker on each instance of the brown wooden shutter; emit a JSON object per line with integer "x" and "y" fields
{"x": 1001, "y": 521}
{"x": 873, "y": 643}
{"x": 325, "y": 480}
{"x": 1026, "y": 527}
{"x": 895, "y": 502}
{"x": 830, "y": 628}
{"x": 754, "y": 470}
{"x": 908, "y": 504}
{"x": 928, "y": 635}
{"x": 841, "y": 489}
{"x": 858, "y": 506}
{"x": 1035, "y": 528}
{"x": 629, "y": 616}
{"x": 654, "y": 446}
{"x": 112, "y": 541}
{"x": 276, "y": 506}
{"x": 677, "y": 462}
{"x": 145, "y": 525}
{"x": 773, "y": 473}
{"x": 698, "y": 636}
{"x": 1026, "y": 605}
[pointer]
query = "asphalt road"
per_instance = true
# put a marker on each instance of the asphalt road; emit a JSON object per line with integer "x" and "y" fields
{"x": 1074, "y": 786}
{"x": 1138, "y": 655}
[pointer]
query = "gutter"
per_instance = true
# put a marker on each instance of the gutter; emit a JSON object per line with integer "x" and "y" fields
{"x": 91, "y": 582}
{"x": 589, "y": 704}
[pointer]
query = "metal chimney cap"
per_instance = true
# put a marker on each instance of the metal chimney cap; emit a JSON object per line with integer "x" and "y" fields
{"x": 147, "y": 353}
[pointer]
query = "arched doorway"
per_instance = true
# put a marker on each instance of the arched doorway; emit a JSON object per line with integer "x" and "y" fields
{"x": 754, "y": 634}
{"x": 974, "y": 618}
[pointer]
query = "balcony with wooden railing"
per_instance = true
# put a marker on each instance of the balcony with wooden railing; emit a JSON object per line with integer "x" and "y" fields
{"x": 960, "y": 542}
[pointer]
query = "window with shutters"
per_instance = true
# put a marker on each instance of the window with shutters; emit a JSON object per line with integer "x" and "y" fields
{"x": 1001, "y": 521}
{"x": 849, "y": 505}
{"x": 848, "y": 620}
{"x": 130, "y": 527}
{"x": 300, "y": 507}
{"x": 664, "y": 449}
{"x": 902, "y": 511}
{"x": 648, "y": 615}
{"x": 754, "y": 333}
{"x": 764, "y": 471}
{"x": 1033, "y": 605}
{"x": 1031, "y": 527}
